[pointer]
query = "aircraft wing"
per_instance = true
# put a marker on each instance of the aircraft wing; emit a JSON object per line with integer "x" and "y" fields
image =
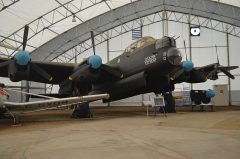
{"x": 210, "y": 67}
{"x": 58, "y": 102}
{"x": 57, "y": 71}
{"x": 211, "y": 71}
{"x": 61, "y": 71}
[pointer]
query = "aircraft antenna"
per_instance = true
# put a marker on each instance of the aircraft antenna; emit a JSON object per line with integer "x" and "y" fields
{"x": 217, "y": 54}
{"x": 177, "y": 37}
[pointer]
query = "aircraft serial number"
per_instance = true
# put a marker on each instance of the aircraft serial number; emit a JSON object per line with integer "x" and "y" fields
{"x": 150, "y": 60}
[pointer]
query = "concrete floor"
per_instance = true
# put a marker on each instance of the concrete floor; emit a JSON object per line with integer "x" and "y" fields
{"x": 183, "y": 135}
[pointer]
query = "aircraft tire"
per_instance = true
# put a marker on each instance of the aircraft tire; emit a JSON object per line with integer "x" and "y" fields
{"x": 81, "y": 111}
{"x": 204, "y": 98}
{"x": 195, "y": 97}
{"x": 2, "y": 112}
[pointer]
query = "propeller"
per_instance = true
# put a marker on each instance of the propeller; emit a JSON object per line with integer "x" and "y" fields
{"x": 176, "y": 73}
{"x": 186, "y": 66}
{"x": 94, "y": 61}
{"x": 77, "y": 72}
{"x": 22, "y": 58}
{"x": 3, "y": 64}
{"x": 213, "y": 74}
{"x": 41, "y": 72}
{"x": 117, "y": 73}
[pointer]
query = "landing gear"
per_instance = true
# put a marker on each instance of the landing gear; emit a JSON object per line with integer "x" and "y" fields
{"x": 169, "y": 102}
{"x": 6, "y": 113}
{"x": 82, "y": 110}
{"x": 2, "y": 112}
{"x": 68, "y": 88}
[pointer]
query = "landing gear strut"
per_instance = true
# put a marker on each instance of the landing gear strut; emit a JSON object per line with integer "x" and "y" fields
{"x": 169, "y": 102}
{"x": 81, "y": 110}
{"x": 4, "y": 110}
{"x": 69, "y": 88}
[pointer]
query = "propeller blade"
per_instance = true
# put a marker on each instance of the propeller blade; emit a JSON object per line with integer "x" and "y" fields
{"x": 74, "y": 75}
{"x": 226, "y": 73}
{"x": 3, "y": 64}
{"x": 25, "y": 36}
{"x": 212, "y": 74}
{"x": 41, "y": 72}
{"x": 115, "y": 72}
{"x": 177, "y": 74}
{"x": 93, "y": 42}
{"x": 185, "y": 49}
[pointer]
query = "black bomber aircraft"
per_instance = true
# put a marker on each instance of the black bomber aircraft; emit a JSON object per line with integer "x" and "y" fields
{"x": 147, "y": 65}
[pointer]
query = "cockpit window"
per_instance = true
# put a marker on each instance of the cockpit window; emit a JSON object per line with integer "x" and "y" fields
{"x": 140, "y": 43}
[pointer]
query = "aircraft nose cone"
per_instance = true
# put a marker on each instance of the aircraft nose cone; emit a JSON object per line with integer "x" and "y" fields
{"x": 174, "y": 56}
{"x": 22, "y": 58}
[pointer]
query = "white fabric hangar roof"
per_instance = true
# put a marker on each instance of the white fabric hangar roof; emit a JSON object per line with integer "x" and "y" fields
{"x": 47, "y": 18}
{"x": 52, "y": 31}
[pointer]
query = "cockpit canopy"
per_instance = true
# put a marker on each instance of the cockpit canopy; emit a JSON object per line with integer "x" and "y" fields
{"x": 145, "y": 41}
{"x": 165, "y": 42}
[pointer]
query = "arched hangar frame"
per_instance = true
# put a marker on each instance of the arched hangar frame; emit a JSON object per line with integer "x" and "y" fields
{"x": 145, "y": 21}
{"x": 216, "y": 16}
{"x": 206, "y": 13}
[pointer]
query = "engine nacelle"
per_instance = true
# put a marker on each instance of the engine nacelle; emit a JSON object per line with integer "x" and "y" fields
{"x": 202, "y": 96}
{"x": 194, "y": 76}
{"x": 17, "y": 73}
{"x": 123, "y": 88}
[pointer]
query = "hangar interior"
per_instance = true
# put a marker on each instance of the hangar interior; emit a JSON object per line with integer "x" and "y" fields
{"x": 60, "y": 32}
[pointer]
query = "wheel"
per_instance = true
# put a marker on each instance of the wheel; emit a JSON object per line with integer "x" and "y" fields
{"x": 81, "y": 111}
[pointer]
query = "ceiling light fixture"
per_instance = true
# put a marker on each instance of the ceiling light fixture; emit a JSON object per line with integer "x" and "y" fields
{"x": 74, "y": 18}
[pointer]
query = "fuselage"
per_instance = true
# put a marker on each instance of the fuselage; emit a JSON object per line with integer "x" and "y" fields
{"x": 145, "y": 65}
{"x": 148, "y": 54}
